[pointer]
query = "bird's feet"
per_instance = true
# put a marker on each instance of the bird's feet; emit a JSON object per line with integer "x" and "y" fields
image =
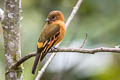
{"x": 53, "y": 48}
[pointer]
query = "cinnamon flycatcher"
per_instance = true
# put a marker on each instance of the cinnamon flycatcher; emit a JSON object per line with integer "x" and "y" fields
{"x": 52, "y": 33}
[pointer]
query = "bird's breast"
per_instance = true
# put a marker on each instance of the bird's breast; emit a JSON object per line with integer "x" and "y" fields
{"x": 62, "y": 31}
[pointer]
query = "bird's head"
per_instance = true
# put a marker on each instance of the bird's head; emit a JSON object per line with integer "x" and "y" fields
{"x": 54, "y": 16}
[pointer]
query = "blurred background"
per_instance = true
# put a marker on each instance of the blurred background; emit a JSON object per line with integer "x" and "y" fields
{"x": 99, "y": 18}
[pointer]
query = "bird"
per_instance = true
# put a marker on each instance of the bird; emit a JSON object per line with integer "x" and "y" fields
{"x": 52, "y": 33}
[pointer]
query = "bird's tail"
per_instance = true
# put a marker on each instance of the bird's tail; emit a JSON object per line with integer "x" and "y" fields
{"x": 35, "y": 63}
{"x": 41, "y": 53}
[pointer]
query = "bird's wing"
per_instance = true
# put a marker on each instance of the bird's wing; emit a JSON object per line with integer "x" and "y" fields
{"x": 51, "y": 35}
{"x": 47, "y": 39}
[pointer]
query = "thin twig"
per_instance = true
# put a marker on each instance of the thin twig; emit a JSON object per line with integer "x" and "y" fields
{"x": 83, "y": 43}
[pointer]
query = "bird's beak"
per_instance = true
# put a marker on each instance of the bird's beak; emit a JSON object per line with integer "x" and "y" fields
{"x": 47, "y": 20}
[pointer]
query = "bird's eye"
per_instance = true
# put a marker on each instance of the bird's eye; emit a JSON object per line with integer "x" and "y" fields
{"x": 53, "y": 17}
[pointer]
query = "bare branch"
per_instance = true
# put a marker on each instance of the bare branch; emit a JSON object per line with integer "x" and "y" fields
{"x": 89, "y": 51}
{"x": 76, "y": 50}
{"x": 23, "y": 59}
{"x": 74, "y": 11}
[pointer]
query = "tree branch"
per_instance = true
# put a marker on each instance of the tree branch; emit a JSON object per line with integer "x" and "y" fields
{"x": 76, "y": 50}
{"x": 74, "y": 11}
{"x": 23, "y": 59}
{"x": 89, "y": 51}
